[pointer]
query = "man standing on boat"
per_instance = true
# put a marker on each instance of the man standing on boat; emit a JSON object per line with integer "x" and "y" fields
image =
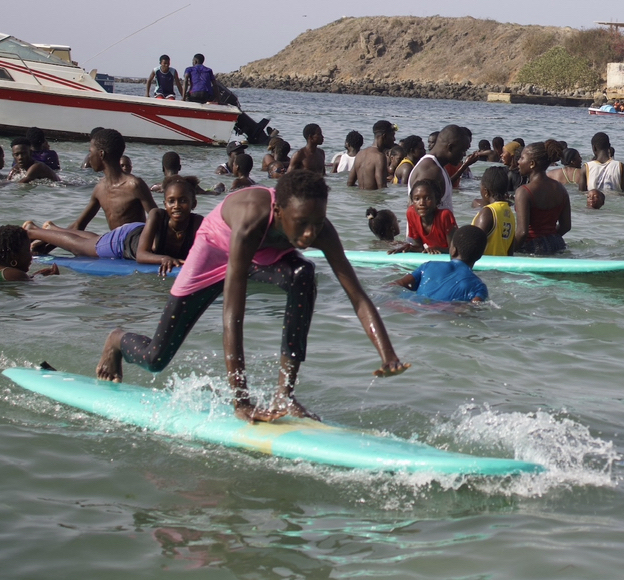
{"x": 200, "y": 85}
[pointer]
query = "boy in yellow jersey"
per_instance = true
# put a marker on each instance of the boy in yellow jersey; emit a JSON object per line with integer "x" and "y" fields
{"x": 496, "y": 219}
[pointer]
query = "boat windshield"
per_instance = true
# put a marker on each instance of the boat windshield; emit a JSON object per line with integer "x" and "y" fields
{"x": 11, "y": 47}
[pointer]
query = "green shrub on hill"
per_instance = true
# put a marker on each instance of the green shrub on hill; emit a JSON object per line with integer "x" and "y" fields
{"x": 558, "y": 70}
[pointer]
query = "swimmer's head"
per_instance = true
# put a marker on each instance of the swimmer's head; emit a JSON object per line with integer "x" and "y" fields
{"x": 494, "y": 182}
{"x": 600, "y": 142}
{"x": 595, "y": 199}
{"x": 431, "y": 140}
{"x": 571, "y": 158}
{"x": 313, "y": 131}
{"x": 383, "y": 223}
{"x": 453, "y": 142}
{"x": 354, "y": 140}
{"x": 15, "y": 248}
{"x": 301, "y": 206}
{"x": 36, "y": 137}
{"x": 171, "y": 162}
{"x": 180, "y": 195}
{"x": 282, "y": 149}
{"x": 536, "y": 157}
{"x": 107, "y": 144}
{"x": 396, "y": 155}
{"x": 468, "y": 244}
{"x": 21, "y": 149}
{"x": 243, "y": 164}
{"x": 276, "y": 170}
{"x": 414, "y": 144}
{"x": 273, "y": 141}
{"x": 126, "y": 164}
{"x": 498, "y": 143}
{"x": 1, "y": 157}
{"x": 429, "y": 185}
{"x": 554, "y": 149}
{"x": 484, "y": 145}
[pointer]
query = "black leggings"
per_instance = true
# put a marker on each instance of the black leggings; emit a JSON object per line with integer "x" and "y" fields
{"x": 292, "y": 273}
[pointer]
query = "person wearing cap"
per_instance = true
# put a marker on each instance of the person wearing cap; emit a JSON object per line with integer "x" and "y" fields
{"x": 200, "y": 85}
{"x": 233, "y": 149}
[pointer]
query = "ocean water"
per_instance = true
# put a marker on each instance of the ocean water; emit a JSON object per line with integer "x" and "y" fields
{"x": 535, "y": 373}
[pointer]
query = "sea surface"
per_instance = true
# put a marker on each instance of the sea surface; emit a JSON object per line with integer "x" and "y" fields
{"x": 536, "y": 373}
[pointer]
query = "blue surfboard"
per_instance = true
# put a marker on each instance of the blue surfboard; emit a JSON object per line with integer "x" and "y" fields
{"x": 102, "y": 266}
{"x": 288, "y": 437}
{"x": 518, "y": 264}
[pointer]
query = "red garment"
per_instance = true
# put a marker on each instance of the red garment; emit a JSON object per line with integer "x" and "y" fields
{"x": 452, "y": 170}
{"x": 542, "y": 222}
{"x": 443, "y": 223}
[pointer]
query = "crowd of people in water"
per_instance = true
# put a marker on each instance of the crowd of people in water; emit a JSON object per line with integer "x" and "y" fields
{"x": 255, "y": 231}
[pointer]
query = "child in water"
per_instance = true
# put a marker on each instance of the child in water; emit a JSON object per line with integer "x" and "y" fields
{"x": 496, "y": 219}
{"x": 254, "y": 233}
{"x": 165, "y": 238}
{"x": 16, "y": 257}
{"x": 243, "y": 164}
{"x": 454, "y": 280}
{"x": 595, "y": 199}
{"x": 429, "y": 229}
{"x": 383, "y": 223}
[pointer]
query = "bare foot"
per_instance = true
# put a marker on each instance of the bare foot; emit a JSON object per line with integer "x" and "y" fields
{"x": 248, "y": 412}
{"x": 293, "y": 407}
{"x": 30, "y": 225}
{"x": 50, "y": 225}
{"x": 109, "y": 367}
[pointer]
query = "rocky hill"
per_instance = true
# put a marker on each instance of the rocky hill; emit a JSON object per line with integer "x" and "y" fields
{"x": 405, "y": 56}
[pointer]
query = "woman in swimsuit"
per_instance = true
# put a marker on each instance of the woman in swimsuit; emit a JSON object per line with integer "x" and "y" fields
{"x": 16, "y": 257}
{"x": 165, "y": 239}
{"x": 570, "y": 173}
{"x": 542, "y": 206}
{"x": 254, "y": 233}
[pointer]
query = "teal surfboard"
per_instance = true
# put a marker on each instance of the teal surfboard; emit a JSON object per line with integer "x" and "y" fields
{"x": 102, "y": 266}
{"x": 291, "y": 438}
{"x": 504, "y": 263}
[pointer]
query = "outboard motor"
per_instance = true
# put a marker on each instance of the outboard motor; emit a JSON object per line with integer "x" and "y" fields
{"x": 245, "y": 125}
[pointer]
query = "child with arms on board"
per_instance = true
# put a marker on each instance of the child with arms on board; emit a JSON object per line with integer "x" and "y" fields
{"x": 165, "y": 239}
{"x": 496, "y": 219}
{"x": 16, "y": 257}
{"x": 254, "y": 233}
{"x": 26, "y": 169}
{"x": 125, "y": 199}
{"x": 454, "y": 280}
{"x": 429, "y": 229}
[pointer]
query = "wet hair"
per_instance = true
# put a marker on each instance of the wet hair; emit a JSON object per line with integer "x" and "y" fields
{"x": 171, "y": 161}
{"x": 189, "y": 183}
{"x": 470, "y": 242}
{"x": 310, "y": 130}
{"x": 554, "y": 149}
{"x": 111, "y": 142}
{"x": 600, "y": 141}
{"x": 382, "y": 127}
{"x": 542, "y": 156}
{"x": 199, "y": 57}
{"x": 432, "y": 185}
{"x": 498, "y": 142}
{"x": 282, "y": 149}
{"x": 12, "y": 238}
{"x": 495, "y": 180}
{"x": 244, "y": 162}
{"x": 274, "y": 166}
{"x": 354, "y": 139}
{"x": 273, "y": 141}
{"x": 412, "y": 142}
{"x": 301, "y": 184}
{"x": 36, "y": 137}
{"x": 94, "y": 131}
{"x": 382, "y": 223}
{"x": 20, "y": 141}
{"x": 164, "y": 57}
{"x": 568, "y": 155}
{"x": 520, "y": 140}
{"x": 484, "y": 145}
{"x": 397, "y": 151}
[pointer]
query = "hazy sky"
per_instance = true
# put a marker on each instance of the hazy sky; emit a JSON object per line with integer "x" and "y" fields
{"x": 232, "y": 33}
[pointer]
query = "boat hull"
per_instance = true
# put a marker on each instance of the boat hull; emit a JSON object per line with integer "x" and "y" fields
{"x": 594, "y": 111}
{"x": 72, "y": 114}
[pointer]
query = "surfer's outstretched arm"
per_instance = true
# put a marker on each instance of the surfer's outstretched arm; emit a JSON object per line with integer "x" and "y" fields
{"x": 329, "y": 242}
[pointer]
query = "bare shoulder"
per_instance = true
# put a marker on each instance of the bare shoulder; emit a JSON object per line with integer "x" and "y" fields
{"x": 247, "y": 207}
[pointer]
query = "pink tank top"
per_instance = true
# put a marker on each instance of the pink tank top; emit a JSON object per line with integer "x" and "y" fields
{"x": 207, "y": 261}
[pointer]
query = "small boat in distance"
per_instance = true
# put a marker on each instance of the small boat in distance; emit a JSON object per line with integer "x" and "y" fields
{"x": 40, "y": 89}
{"x": 611, "y": 112}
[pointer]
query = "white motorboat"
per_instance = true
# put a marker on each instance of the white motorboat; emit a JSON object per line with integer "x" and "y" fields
{"x": 39, "y": 89}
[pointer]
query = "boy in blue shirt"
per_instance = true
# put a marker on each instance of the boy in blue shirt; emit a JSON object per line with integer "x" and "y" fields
{"x": 452, "y": 281}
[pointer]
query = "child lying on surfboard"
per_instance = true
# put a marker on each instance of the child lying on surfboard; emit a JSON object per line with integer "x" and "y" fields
{"x": 165, "y": 239}
{"x": 16, "y": 257}
{"x": 453, "y": 280}
{"x": 254, "y": 233}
